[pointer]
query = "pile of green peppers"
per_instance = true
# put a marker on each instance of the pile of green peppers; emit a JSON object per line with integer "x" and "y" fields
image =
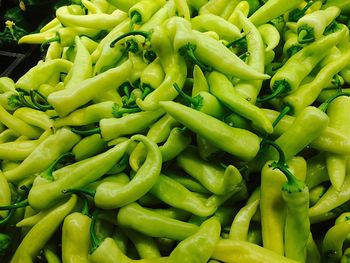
{"x": 180, "y": 131}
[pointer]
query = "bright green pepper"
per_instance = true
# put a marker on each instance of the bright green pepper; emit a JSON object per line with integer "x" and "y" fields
{"x": 88, "y": 147}
{"x": 218, "y": 133}
{"x": 115, "y": 127}
{"x": 215, "y": 7}
{"x": 69, "y": 177}
{"x": 271, "y": 10}
{"x": 212, "y": 176}
{"x": 34, "y": 117}
{"x": 44, "y": 154}
{"x": 66, "y": 101}
{"x": 312, "y": 26}
{"x": 5, "y": 194}
{"x": 153, "y": 224}
{"x": 153, "y": 75}
{"x": 41, "y": 233}
{"x": 210, "y": 22}
{"x": 143, "y": 10}
{"x": 223, "y": 89}
{"x": 200, "y": 246}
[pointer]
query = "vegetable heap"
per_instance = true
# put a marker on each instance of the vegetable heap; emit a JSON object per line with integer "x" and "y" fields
{"x": 180, "y": 131}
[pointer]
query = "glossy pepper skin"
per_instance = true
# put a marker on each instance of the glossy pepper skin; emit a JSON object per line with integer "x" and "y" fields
{"x": 37, "y": 237}
{"x": 71, "y": 176}
{"x": 153, "y": 224}
{"x": 200, "y": 246}
{"x": 218, "y": 133}
{"x": 44, "y": 154}
{"x": 143, "y": 181}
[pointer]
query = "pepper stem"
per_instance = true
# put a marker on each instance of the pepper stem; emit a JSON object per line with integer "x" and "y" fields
{"x": 86, "y": 132}
{"x": 306, "y": 35}
{"x": 298, "y": 13}
{"x": 118, "y": 112}
{"x": 196, "y": 102}
{"x": 283, "y": 113}
{"x": 293, "y": 184}
{"x": 241, "y": 40}
{"x": 188, "y": 51}
{"x": 281, "y": 87}
{"x": 324, "y": 106}
{"x": 145, "y": 34}
{"x": 95, "y": 240}
{"x": 16, "y": 205}
{"x": 48, "y": 41}
{"x": 132, "y": 46}
{"x": 42, "y": 107}
{"x": 47, "y": 174}
{"x": 82, "y": 195}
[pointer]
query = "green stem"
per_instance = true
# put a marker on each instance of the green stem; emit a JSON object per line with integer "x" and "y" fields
{"x": 118, "y": 112}
{"x": 48, "y": 41}
{"x": 8, "y": 217}
{"x": 47, "y": 174}
{"x": 42, "y": 107}
{"x": 296, "y": 14}
{"x": 283, "y": 113}
{"x": 149, "y": 56}
{"x": 95, "y": 240}
{"x": 281, "y": 88}
{"x": 195, "y": 102}
{"x": 146, "y": 90}
{"x": 305, "y": 35}
{"x": 281, "y": 157}
{"x": 86, "y": 132}
{"x": 131, "y": 45}
{"x": 188, "y": 51}
{"x": 145, "y": 34}
{"x": 241, "y": 41}
{"x": 324, "y": 106}
{"x": 16, "y": 205}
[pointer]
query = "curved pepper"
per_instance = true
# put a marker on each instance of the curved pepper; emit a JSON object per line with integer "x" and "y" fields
{"x": 34, "y": 117}
{"x": 143, "y": 10}
{"x": 44, "y": 154}
{"x": 153, "y": 224}
{"x": 177, "y": 141}
{"x": 67, "y": 100}
{"x": 143, "y": 181}
{"x": 200, "y": 246}
{"x": 218, "y": 133}
{"x": 37, "y": 237}
{"x": 70, "y": 177}
{"x": 153, "y": 75}
{"x": 88, "y": 147}
{"x": 41, "y": 73}
{"x": 213, "y": 177}
{"x": 223, "y": 89}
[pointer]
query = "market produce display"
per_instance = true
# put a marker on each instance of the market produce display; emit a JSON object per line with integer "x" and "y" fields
{"x": 180, "y": 131}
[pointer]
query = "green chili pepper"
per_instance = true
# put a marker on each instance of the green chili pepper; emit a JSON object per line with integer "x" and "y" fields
{"x": 146, "y": 246}
{"x": 290, "y": 75}
{"x": 307, "y": 93}
{"x": 223, "y": 89}
{"x": 69, "y": 177}
{"x": 333, "y": 241}
{"x": 20, "y": 150}
{"x": 242, "y": 251}
{"x": 8, "y": 135}
{"x": 34, "y": 117}
{"x": 88, "y": 115}
{"x": 143, "y": 181}
{"x": 75, "y": 236}
{"x": 240, "y": 225}
{"x": 143, "y": 10}
{"x": 213, "y": 177}
{"x": 336, "y": 164}
{"x": 312, "y": 26}
{"x": 44, "y": 154}
{"x": 177, "y": 141}
{"x": 204, "y": 102}
{"x": 5, "y": 194}
{"x": 218, "y": 133}
{"x": 115, "y": 127}
{"x": 200, "y": 246}
{"x": 89, "y": 44}
{"x": 249, "y": 89}
{"x": 88, "y": 147}
{"x": 210, "y": 22}
{"x": 153, "y": 224}
{"x": 41, "y": 233}
{"x": 331, "y": 199}
{"x": 97, "y": 21}
{"x": 153, "y": 75}
{"x": 41, "y": 73}
{"x": 66, "y": 101}
{"x": 188, "y": 182}
{"x": 215, "y": 7}
{"x": 316, "y": 194}
{"x": 330, "y": 140}
{"x": 54, "y": 51}
{"x": 158, "y": 133}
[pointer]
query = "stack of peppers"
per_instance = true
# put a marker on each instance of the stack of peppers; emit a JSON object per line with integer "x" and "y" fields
{"x": 180, "y": 131}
